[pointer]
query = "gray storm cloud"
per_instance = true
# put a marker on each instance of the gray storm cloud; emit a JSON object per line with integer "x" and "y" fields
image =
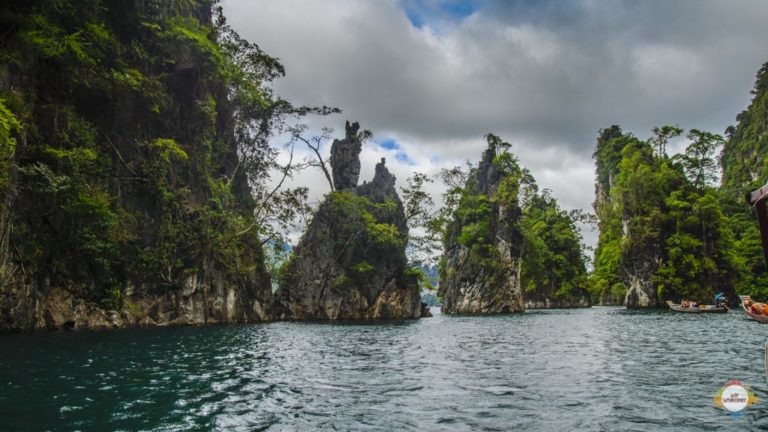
{"x": 545, "y": 75}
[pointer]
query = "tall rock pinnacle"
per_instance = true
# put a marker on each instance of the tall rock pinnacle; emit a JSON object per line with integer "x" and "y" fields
{"x": 350, "y": 263}
{"x": 345, "y": 158}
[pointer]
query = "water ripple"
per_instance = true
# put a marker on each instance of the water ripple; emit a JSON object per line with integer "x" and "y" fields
{"x": 601, "y": 369}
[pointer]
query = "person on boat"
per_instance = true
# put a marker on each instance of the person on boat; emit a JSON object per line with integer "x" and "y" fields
{"x": 720, "y": 298}
{"x": 756, "y": 308}
{"x": 694, "y": 304}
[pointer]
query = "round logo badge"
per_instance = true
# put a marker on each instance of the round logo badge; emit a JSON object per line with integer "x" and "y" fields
{"x": 734, "y": 398}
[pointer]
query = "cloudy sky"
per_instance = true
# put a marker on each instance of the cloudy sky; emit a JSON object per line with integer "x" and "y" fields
{"x": 431, "y": 77}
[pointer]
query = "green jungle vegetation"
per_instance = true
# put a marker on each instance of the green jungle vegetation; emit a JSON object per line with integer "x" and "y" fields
{"x": 134, "y": 144}
{"x": 553, "y": 259}
{"x": 703, "y": 236}
{"x": 360, "y": 233}
{"x": 135, "y": 148}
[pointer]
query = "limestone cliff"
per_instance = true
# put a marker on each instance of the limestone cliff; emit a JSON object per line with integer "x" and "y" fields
{"x": 125, "y": 200}
{"x": 608, "y": 286}
{"x": 663, "y": 235}
{"x": 350, "y": 263}
{"x": 744, "y": 153}
{"x": 480, "y": 271}
{"x": 744, "y": 169}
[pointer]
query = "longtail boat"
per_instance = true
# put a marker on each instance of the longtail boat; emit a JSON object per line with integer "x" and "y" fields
{"x": 698, "y": 309}
{"x": 757, "y": 198}
{"x": 751, "y": 315}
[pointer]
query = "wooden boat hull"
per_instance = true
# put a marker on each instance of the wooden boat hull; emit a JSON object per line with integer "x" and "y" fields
{"x": 751, "y": 315}
{"x": 706, "y": 309}
{"x": 766, "y": 361}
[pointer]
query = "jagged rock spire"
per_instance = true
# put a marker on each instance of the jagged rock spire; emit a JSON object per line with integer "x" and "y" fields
{"x": 345, "y": 158}
{"x": 343, "y": 267}
{"x": 382, "y": 177}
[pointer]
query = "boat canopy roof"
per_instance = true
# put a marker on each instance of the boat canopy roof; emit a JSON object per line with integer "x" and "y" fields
{"x": 757, "y": 198}
{"x": 757, "y": 195}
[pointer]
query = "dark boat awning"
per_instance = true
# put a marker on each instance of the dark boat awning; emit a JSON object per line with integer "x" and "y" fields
{"x": 757, "y": 198}
{"x": 758, "y": 195}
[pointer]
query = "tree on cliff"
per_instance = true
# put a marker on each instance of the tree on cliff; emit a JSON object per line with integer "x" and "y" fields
{"x": 661, "y": 136}
{"x": 743, "y": 161}
{"x": 351, "y": 262}
{"x": 553, "y": 265}
{"x": 506, "y": 244}
{"x": 744, "y": 154}
{"x": 698, "y": 160}
{"x": 135, "y": 136}
{"x": 663, "y": 235}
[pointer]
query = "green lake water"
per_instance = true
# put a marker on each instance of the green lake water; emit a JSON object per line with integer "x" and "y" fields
{"x": 598, "y": 369}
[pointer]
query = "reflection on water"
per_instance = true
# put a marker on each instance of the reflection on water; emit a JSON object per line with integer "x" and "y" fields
{"x": 593, "y": 369}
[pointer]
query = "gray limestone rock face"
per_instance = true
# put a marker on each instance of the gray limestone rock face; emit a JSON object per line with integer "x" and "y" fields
{"x": 381, "y": 189}
{"x": 550, "y": 303}
{"x": 350, "y": 263}
{"x": 640, "y": 264}
{"x": 153, "y": 274}
{"x": 345, "y": 158}
{"x": 202, "y": 298}
{"x": 469, "y": 287}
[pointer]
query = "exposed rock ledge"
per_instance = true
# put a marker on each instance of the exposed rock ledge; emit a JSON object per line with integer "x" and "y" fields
{"x": 27, "y": 308}
{"x": 557, "y": 304}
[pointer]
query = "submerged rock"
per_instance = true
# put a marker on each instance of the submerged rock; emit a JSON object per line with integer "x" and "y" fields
{"x": 425, "y": 312}
{"x": 350, "y": 263}
{"x": 481, "y": 273}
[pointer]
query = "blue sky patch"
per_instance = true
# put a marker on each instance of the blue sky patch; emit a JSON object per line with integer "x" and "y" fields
{"x": 414, "y": 17}
{"x": 403, "y": 157}
{"x": 390, "y": 144}
{"x": 421, "y": 12}
{"x": 460, "y": 8}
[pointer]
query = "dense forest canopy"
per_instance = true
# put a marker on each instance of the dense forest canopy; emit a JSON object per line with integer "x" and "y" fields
{"x": 665, "y": 220}
{"x": 135, "y": 144}
{"x": 744, "y": 155}
{"x": 552, "y": 261}
{"x": 137, "y": 148}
